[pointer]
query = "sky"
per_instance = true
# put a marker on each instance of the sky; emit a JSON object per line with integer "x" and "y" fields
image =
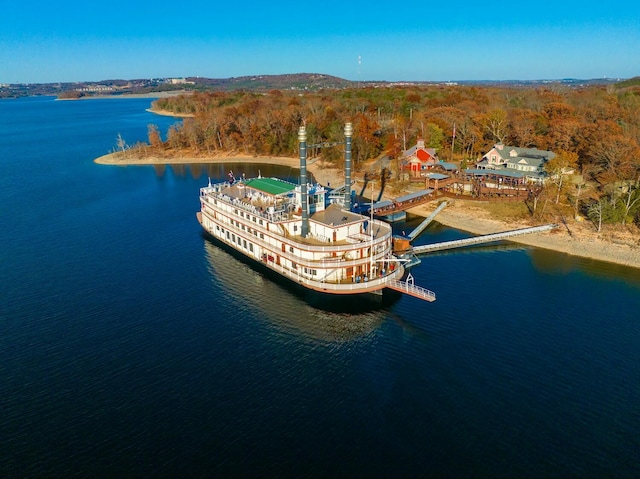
{"x": 360, "y": 41}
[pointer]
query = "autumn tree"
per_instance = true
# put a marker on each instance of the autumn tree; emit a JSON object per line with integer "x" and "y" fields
{"x": 154, "y": 137}
{"x": 564, "y": 163}
{"x": 366, "y": 141}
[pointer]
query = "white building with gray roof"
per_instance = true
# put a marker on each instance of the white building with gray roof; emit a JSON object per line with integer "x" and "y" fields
{"x": 528, "y": 161}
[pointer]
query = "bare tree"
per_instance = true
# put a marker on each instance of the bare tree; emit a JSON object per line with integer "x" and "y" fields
{"x": 596, "y": 211}
{"x": 630, "y": 197}
{"x": 495, "y": 121}
{"x": 121, "y": 144}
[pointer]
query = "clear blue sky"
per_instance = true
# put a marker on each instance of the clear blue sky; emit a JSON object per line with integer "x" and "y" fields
{"x": 421, "y": 41}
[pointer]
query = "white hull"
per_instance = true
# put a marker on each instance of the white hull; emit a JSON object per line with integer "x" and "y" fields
{"x": 352, "y": 257}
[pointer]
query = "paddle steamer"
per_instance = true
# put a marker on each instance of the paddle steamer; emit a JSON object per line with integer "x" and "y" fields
{"x": 295, "y": 231}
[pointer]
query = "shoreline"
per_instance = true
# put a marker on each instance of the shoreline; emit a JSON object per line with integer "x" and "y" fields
{"x": 150, "y": 95}
{"x": 323, "y": 173}
{"x": 577, "y": 240}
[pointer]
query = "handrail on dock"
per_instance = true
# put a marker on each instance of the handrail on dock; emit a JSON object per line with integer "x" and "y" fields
{"x": 481, "y": 239}
{"x": 420, "y": 228}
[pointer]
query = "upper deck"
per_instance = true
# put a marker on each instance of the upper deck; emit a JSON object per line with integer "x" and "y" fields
{"x": 278, "y": 202}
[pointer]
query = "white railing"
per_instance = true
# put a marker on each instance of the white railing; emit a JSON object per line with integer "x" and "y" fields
{"x": 412, "y": 289}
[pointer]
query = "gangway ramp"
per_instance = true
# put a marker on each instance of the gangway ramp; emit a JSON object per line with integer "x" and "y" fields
{"x": 420, "y": 228}
{"x": 428, "y": 248}
{"x": 407, "y": 287}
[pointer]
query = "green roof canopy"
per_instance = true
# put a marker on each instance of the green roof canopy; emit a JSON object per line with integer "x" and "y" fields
{"x": 272, "y": 186}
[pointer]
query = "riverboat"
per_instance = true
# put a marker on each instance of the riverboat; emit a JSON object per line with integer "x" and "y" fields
{"x": 294, "y": 231}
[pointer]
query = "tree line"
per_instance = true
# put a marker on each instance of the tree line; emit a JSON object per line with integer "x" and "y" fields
{"x": 594, "y": 130}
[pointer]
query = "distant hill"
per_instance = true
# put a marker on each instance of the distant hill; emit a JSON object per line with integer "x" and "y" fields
{"x": 631, "y": 82}
{"x": 294, "y": 81}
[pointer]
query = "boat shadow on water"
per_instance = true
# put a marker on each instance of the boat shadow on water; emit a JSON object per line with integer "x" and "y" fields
{"x": 290, "y": 306}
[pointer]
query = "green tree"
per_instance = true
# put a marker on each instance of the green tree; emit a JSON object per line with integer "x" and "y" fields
{"x": 435, "y": 136}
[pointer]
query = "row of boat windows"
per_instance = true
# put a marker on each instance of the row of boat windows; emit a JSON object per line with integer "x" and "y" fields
{"x": 255, "y": 219}
{"x": 243, "y": 215}
{"x": 243, "y": 243}
{"x": 246, "y": 228}
{"x": 236, "y": 239}
{"x": 248, "y": 216}
{"x": 379, "y": 248}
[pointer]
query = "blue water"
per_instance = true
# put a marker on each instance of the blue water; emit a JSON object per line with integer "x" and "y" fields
{"x": 132, "y": 346}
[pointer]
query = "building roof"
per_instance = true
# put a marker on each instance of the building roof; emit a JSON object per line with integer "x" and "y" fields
{"x": 509, "y": 172}
{"x": 436, "y": 176}
{"x": 413, "y": 150}
{"x": 448, "y": 166}
{"x": 513, "y": 154}
{"x": 414, "y": 195}
{"x": 334, "y": 215}
{"x": 272, "y": 186}
{"x": 536, "y": 162}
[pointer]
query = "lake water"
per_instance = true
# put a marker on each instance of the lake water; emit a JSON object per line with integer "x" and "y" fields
{"x": 132, "y": 346}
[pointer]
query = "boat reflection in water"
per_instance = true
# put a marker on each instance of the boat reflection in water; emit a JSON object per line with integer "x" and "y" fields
{"x": 283, "y": 304}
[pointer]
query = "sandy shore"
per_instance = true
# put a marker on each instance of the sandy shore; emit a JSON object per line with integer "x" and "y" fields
{"x": 323, "y": 173}
{"x": 170, "y": 113}
{"x": 577, "y": 239}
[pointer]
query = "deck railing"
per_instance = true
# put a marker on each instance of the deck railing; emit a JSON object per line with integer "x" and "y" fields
{"x": 412, "y": 289}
